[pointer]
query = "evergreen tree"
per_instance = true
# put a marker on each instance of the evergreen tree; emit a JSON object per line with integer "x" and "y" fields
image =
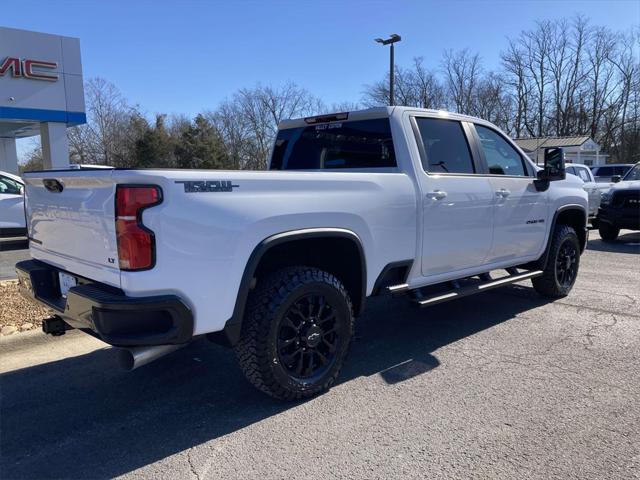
{"x": 201, "y": 146}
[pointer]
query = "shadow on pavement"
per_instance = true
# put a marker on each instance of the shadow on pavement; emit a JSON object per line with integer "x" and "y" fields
{"x": 83, "y": 417}
{"x": 625, "y": 243}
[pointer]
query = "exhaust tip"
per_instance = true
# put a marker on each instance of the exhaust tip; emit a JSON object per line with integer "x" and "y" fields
{"x": 134, "y": 357}
{"x": 126, "y": 359}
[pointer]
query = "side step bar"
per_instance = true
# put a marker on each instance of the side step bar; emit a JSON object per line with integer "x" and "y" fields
{"x": 396, "y": 289}
{"x": 476, "y": 288}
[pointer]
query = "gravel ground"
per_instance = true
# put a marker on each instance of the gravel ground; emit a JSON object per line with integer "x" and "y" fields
{"x": 18, "y": 313}
{"x": 500, "y": 385}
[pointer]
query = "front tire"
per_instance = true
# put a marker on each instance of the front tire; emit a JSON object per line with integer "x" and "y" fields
{"x": 296, "y": 333}
{"x": 608, "y": 232}
{"x": 562, "y": 266}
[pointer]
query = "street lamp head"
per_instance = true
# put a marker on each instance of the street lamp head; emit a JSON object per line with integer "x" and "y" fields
{"x": 393, "y": 38}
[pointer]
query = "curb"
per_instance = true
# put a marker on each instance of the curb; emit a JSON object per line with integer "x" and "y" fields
{"x": 31, "y": 338}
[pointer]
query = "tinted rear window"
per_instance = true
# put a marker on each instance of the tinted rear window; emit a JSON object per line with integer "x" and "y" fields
{"x": 338, "y": 145}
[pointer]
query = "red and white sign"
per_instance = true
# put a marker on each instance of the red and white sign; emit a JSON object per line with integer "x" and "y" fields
{"x": 29, "y": 68}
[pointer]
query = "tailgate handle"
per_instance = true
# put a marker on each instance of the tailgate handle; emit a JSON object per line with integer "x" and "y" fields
{"x": 53, "y": 185}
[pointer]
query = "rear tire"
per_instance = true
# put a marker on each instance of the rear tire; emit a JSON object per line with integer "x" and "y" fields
{"x": 562, "y": 266}
{"x": 296, "y": 333}
{"x": 608, "y": 232}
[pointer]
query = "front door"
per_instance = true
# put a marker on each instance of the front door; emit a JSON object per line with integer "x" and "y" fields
{"x": 521, "y": 212}
{"x": 457, "y": 204}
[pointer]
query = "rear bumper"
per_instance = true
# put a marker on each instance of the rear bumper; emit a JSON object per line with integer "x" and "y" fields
{"x": 107, "y": 312}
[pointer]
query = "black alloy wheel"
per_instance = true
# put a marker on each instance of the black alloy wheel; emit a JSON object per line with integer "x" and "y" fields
{"x": 296, "y": 332}
{"x": 566, "y": 264}
{"x": 308, "y": 338}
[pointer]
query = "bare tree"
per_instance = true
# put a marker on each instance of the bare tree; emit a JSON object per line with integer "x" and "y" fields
{"x": 415, "y": 86}
{"x": 257, "y": 112}
{"x": 492, "y": 102}
{"x": 601, "y": 76}
{"x": 107, "y": 136}
{"x": 627, "y": 66}
{"x": 514, "y": 64}
{"x": 462, "y": 74}
{"x": 537, "y": 50}
{"x": 567, "y": 72}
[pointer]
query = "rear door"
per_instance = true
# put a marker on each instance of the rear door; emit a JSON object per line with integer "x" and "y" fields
{"x": 520, "y": 211}
{"x": 71, "y": 222}
{"x": 457, "y": 203}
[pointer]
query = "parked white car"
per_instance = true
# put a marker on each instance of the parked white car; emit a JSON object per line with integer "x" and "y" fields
{"x": 12, "y": 219}
{"x": 277, "y": 263}
{"x": 590, "y": 186}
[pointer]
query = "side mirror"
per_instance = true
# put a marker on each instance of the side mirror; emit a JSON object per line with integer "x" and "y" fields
{"x": 554, "y": 164}
{"x": 553, "y": 168}
{"x": 616, "y": 178}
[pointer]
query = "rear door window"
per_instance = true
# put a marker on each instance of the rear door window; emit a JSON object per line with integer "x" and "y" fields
{"x": 583, "y": 174}
{"x": 445, "y": 146}
{"x": 361, "y": 144}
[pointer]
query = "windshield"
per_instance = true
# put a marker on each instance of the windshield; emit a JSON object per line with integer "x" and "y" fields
{"x": 633, "y": 174}
{"x": 339, "y": 145}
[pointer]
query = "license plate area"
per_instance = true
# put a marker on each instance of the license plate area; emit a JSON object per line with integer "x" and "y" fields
{"x": 66, "y": 281}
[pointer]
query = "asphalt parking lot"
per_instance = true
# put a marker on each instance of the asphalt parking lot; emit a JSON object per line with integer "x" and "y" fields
{"x": 12, "y": 250}
{"x": 500, "y": 385}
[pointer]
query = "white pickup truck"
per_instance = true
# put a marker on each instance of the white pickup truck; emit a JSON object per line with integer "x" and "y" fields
{"x": 277, "y": 263}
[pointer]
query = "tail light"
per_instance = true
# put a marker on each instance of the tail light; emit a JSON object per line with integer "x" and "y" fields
{"x": 136, "y": 243}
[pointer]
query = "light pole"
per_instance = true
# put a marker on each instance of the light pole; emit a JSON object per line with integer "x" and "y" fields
{"x": 393, "y": 38}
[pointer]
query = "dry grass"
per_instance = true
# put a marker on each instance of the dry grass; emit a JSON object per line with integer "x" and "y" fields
{"x": 19, "y": 311}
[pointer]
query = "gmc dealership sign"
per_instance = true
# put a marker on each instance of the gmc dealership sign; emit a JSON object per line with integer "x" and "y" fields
{"x": 29, "y": 68}
{"x": 40, "y": 80}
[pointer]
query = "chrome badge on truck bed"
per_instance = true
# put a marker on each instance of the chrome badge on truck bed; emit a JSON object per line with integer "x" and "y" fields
{"x": 197, "y": 186}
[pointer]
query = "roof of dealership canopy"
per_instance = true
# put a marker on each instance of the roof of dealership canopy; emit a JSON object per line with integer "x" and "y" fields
{"x": 532, "y": 144}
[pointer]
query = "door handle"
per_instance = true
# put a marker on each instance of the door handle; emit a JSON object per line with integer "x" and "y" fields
{"x": 436, "y": 195}
{"x": 503, "y": 192}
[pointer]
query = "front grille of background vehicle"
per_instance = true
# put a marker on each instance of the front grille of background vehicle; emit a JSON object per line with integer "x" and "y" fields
{"x": 626, "y": 199}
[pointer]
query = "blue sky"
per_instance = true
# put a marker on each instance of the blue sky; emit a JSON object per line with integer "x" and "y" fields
{"x": 184, "y": 57}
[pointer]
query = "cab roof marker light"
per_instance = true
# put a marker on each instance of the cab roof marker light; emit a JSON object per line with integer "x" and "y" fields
{"x": 333, "y": 117}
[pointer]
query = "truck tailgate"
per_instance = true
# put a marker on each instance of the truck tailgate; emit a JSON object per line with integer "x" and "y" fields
{"x": 71, "y": 222}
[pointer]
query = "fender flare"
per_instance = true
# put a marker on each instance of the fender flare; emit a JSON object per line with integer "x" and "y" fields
{"x": 233, "y": 326}
{"x": 542, "y": 261}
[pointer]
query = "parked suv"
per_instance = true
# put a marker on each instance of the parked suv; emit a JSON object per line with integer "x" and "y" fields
{"x": 605, "y": 173}
{"x": 276, "y": 264}
{"x": 620, "y": 206}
